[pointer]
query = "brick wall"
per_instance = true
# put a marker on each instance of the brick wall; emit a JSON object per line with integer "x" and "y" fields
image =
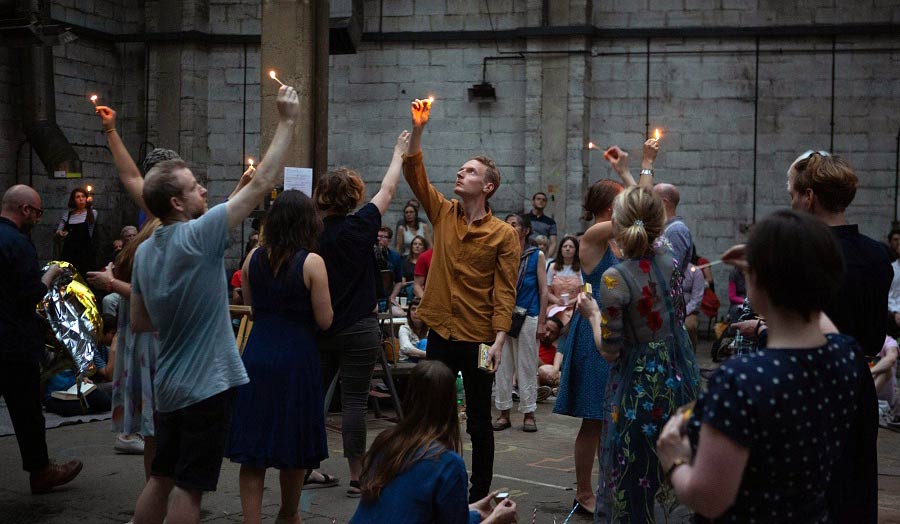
{"x": 702, "y": 95}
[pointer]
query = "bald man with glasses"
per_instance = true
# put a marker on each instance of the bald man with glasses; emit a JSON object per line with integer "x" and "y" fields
{"x": 23, "y": 286}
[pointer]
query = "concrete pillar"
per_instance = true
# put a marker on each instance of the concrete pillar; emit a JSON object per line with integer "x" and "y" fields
{"x": 295, "y": 45}
{"x": 181, "y": 87}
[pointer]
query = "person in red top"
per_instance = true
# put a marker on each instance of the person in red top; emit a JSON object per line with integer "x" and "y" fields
{"x": 423, "y": 264}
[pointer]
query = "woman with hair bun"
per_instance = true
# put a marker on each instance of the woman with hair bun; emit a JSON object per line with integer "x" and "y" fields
{"x": 653, "y": 370}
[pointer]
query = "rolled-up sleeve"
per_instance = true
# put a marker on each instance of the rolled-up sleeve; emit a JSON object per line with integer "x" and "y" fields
{"x": 431, "y": 199}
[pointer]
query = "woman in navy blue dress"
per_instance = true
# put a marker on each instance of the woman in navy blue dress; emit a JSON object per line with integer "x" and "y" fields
{"x": 761, "y": 444}
{"x": 278, "y": 420}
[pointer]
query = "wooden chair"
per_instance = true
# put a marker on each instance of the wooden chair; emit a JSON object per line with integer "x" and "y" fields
{"x": 245, "y": 326}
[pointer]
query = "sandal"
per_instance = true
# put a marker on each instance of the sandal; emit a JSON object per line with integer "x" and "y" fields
{"x": 529, "y": 426}
{"x": 500, "y": 426}
{"x": 327, "y": 481}
{"x": 353, "y": 491}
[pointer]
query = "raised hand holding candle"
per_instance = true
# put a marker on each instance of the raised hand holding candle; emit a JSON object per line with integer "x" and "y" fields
{"x": 275, "y": 78}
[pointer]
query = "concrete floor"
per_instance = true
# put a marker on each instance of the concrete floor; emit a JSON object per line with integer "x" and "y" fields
{"x": 536, "y": 469}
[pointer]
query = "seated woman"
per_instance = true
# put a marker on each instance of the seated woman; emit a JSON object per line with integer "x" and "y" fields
{"x": 884, "y": 373}
{"x": 564, "y": 274}
{"x": 761, "y": 443}
{"x": 412, "y": 335}
{"x": 413, "y": 472}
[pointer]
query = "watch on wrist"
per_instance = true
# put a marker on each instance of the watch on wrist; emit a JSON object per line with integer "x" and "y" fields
{"x": 648, "y": 172}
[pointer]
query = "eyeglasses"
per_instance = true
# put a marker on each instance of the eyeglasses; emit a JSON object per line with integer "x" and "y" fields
{"x": 37, "y": 210}
{"x": 810, "y": 153}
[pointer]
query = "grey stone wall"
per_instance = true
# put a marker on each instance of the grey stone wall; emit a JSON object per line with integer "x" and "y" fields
{"x": 554, "y": 94}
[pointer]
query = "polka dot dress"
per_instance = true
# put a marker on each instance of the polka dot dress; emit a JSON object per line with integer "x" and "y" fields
{"x": 792, "y": 408}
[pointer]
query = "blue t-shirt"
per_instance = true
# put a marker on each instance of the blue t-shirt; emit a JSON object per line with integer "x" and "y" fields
{"x": 792, "y": 408}
{"x": 180, "y": 272}
{"x": 434, "y": 489}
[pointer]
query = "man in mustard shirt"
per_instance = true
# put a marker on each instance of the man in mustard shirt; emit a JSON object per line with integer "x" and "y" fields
{"x": 471, "y": 288}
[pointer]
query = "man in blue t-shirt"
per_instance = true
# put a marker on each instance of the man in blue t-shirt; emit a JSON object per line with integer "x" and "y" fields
{"x": 179, "y": 289}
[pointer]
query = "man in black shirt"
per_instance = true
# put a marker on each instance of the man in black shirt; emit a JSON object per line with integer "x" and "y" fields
{"x": 22, "y": 288}
{"x": 541, "y": 223}
{"x": 824, "y": 185}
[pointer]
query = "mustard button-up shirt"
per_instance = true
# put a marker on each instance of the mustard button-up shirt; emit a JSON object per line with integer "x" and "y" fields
{"x": 470, "y": 291}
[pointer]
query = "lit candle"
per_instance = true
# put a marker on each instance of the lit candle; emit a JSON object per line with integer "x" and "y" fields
{"x": 656, "y": 133}
{"x": 704, "y": 266}
{"x": 94, "y": 100}
{"x": 275, "y": 78}
{"x": 250, "y": 161}
{"x": 591, "y": 145}
{"x": 89, "y": 188}
{"x": 430, "y": 100}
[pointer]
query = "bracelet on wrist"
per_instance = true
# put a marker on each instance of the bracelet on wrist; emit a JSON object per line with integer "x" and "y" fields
{"x": 648, "y": 172}
{"x": 108, "y": 131}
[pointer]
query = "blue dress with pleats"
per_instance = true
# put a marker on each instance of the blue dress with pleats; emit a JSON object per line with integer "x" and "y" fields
{"x": 278, "y": 419}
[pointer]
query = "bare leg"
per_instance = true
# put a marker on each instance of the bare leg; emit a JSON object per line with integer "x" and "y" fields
{"x": 355, "y": 467}
{"x": 149, "y": 452}
{"x": 291, "y": 486}
{"x": 184, "y": 506}
{"x": 880, "y": 380}
{"x": 151, "y": 504}
{"x": 252, "y": 480}
{"x": 586, "y": 445}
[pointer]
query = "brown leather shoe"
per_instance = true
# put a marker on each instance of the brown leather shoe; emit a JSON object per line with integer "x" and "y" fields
{"x": 54, "y": 475}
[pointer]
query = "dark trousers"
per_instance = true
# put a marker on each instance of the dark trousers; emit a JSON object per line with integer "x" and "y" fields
{"x": 354, "y": 351}
{"x": 463, "y": 356}
{"x": 21, "y": 387}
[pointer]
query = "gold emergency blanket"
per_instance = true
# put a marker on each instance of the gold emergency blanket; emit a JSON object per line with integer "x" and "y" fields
{"x": 74, "y": 320}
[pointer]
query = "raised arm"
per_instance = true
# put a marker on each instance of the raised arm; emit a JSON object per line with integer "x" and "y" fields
{"x": 382, "y": 198}
{"x": 270, "y": 170}
{"x": 651, "y": 149}
{"x": 129, "y": 173}
{"x": 413, "y": 168}
{"x": 245, "y": 179}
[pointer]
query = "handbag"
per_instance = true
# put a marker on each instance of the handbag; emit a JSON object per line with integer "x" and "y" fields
{"x": 709, "y": 304}
{"x": 518, "y": 319}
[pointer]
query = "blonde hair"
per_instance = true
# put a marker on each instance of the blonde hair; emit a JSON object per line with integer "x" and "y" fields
{"x": 830, "y": 177}
{"x": 491, "y": 173}
{"x": 638, "y": 219}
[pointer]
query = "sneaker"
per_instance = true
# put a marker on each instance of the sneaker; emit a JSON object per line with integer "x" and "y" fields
{"x": 54, "y": 475}
{"x": 130, "y": 444}
{"x": 543, "y": 393}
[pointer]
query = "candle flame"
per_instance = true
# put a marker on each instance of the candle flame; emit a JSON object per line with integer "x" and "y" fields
{"x": 89, "y": 188}
{"x": 430, "y": 99}
{"x": 93, "y": 98}
{"x": 656, "y": 133}
{"x": 272, "y": 74}
{"x": 250, "y": 160}
{"x": 591, "y": 145}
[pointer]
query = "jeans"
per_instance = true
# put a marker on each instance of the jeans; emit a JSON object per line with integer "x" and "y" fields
{"x": 21, "y": 387}
{"x": 352, "y": 352}
{"x": 463, "y": 356}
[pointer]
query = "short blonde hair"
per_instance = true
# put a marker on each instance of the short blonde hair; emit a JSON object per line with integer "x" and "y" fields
{"x": 491, "y": 172}
{"x": 830, "y": 177}
{"x": 638, "y": 220}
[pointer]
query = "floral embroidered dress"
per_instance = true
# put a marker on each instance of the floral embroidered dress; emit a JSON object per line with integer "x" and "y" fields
{"x": 655, "y": 374}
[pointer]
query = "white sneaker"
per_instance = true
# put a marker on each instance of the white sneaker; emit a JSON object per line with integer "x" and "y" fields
{"x": 130, "y": 444}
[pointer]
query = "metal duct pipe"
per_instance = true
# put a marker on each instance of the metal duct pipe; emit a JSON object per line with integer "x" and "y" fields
{"x": 39, "y": 100}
